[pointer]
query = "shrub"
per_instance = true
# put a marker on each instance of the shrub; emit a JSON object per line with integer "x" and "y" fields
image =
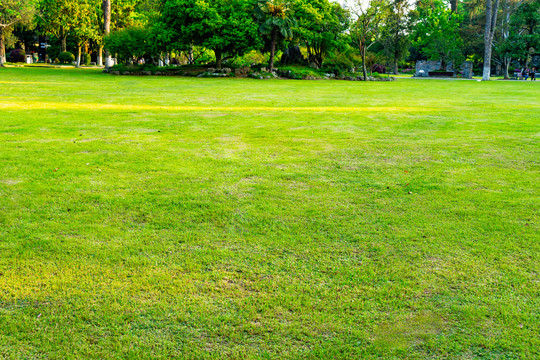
{"x": 341, "y": 62}
{"x": 66, "y": 57}
{"x": 17, "y": 56}
{"x": 378, "y": 68}
{"x": 86, "y": 59}
{"x": 132, "y": 44}
{"x": 250, "y": 58}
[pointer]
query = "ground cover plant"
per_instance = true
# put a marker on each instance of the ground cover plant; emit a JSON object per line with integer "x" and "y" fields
{"x": 151, "y": 217}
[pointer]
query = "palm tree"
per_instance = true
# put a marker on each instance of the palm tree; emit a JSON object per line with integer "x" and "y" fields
{"x": 275, "y": 20}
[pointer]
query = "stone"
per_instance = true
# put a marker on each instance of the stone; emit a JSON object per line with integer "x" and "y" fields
{"x": 243, "y": 71}
{"x": 293, "y": 55}
{"x": 126, "y": 73}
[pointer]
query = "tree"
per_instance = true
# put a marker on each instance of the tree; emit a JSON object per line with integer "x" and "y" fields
{"x": 224, "y": 26}
{"x": 57, "y": 18}
{"x": 84, "y": 26}
{"x": 132, "y": 44}
{"x": 526, "y": 30}
{"x": 106, "y": 8}
{"x": 436, "y": 32}
{"x": 505, "y": 44}
{"x": 321, "y": 27}
{"x": 396, "y": 40}
{"x": 275, "y": 20}
{"x": 492, "y": 9}
{"x": 366, "y": 30}
{"x": 13, "y": 12}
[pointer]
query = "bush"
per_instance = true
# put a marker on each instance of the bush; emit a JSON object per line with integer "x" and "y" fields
{"x": 341, "y": 62}
{"x": 250, "y": 58}
{"x": 66, "y": 57}
{"x": 378, "y": 68}
{"x": 132, "y": 44}
{"x": 17, "y": 56}
{"x": 86, "y": 59}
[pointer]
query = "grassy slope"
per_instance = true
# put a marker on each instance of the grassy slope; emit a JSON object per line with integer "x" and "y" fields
{"x": 153, "y": 217}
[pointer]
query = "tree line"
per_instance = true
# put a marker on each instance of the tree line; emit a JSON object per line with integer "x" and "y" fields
{"x": 391, "y": 32}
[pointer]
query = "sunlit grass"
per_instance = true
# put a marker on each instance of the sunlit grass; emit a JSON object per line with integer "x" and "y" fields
{"x": 162, "y": 217}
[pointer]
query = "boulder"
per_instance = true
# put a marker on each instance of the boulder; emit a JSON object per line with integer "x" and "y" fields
{"x": 292, "y": 55}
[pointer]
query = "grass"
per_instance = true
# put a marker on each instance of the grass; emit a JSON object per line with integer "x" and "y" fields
{"x": 152, "y": 217}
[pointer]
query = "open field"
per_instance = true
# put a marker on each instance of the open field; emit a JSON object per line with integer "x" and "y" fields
{"x": 146, "y": 217}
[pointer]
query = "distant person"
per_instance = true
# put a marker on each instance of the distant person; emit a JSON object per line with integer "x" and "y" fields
{"x": 533, "y": 74}
{"x": 525, "y": 73}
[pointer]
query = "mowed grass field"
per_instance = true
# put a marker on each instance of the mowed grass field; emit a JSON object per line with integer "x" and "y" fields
{"x": 153, "y": 217}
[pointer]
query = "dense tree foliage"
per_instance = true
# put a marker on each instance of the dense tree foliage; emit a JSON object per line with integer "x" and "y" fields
{"x": 13, "y": 12}
{"x": 320, "y": 28}
{"x": 219, "y": 25}
{"x": 393, "y": 33}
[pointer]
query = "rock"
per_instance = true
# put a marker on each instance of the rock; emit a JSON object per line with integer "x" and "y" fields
{"x": 243, "y": 71}
{"x": 146, "y": 73}
{"x": 115, "y": 72}
{"x": 292, "y": 55}
{"x": 158, "y": 73}
{"x": 126, "y": 73}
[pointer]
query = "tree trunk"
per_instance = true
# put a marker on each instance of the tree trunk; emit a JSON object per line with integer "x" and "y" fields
{"x": 395, "y": 65}
{"x": 218, "y": 58}
{"x": 64, "y": 43}
{"x": 191, "y": 61}
{"x": 453, "y": 5}
{"x": 78, "y": 56}
{"x": 100, "y": 56}
{"x": 107, "y": 29}
{"x": 2, "y": 47}
{"x": 491, "y": 21}
{"x": 506, "y": 65}
{"x": 364, "y": 68}
{"x": 273, "y": 49}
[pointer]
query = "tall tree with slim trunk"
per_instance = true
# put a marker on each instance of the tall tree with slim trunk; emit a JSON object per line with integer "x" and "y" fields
{"x": 275, "y": 21}
{"x": 84, "y": 26}
{"x": 395, "y": 34}
{"x": 107, "y": 29}
{"x": 13, "y": 12}
{"x": 57, "y": 18}
{"x": 492, "y": 8}
{"x": 367, "y": 28}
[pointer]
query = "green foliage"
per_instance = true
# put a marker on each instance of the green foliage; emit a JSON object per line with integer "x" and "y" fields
{"x": 224, "y": 26}
{"x": 132, "y": 44}
{"x": 321, "y": 28}
{"x": 248, "y": 59}
{"x": 66, "y": 57}
{"x": 86, "y": 59}
{"x": 13, "y": 12}
{"x": 436, "y": 32}
{"x": 524, "y": 32}
{"x": 396, "y": 41}
{"x": 367, "y": 29}
{"x": 300, "y": 72}
{"x": 275, "y": 18}
{"x": 340, "y": 62}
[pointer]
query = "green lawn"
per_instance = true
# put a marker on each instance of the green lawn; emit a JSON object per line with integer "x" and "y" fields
{"x": 160, "y": 217}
